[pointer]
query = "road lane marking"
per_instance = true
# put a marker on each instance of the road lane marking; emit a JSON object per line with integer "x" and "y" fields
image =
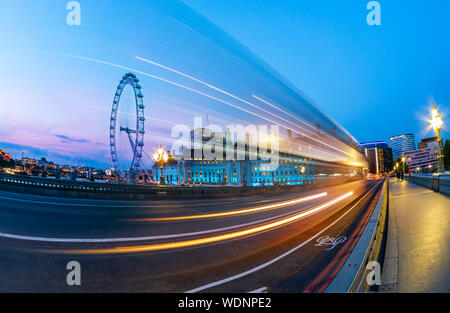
{"x": 330, "y": 241}
{"x": 110, "y": 205}
{"x": 159, "y": 237}
{"x": 126, "y": 206}
{"x": 260, "y": 290}
{"x": 229, "y": 213}
{"x": 201, "y": 241}
{"x": 342, "y": 256}
{"x": 255, "y": 269}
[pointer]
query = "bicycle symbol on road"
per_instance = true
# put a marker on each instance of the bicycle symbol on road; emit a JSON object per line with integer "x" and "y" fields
{"x": 330, "y": 241}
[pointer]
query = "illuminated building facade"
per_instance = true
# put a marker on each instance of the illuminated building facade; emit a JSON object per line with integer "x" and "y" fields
{"x": 379, "y": 156}
{"x": 247, "y": 172}
{"x": 290, "y": 171}
{"x": 401, "y": 144}
{"x": 422, "y": 160}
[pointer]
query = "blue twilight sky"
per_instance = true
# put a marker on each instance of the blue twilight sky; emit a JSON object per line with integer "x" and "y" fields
{"x": 376, "y": 81}
{"x": 57, "y": 81}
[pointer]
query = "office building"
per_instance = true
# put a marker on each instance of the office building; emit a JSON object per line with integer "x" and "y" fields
{"x": 401, "y": 144}
{"x": 379, "y": 156}
{"x": 431, "y": 143}
{"x": 422, "y": 160}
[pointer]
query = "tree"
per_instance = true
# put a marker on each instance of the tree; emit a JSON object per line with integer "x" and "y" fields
{"x": 6, "y": 163}
{"x": 447, "y": 155}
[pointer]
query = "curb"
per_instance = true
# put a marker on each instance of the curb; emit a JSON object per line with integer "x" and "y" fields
{"x": 370, "y": 247}
{"x": 390, "y": 266}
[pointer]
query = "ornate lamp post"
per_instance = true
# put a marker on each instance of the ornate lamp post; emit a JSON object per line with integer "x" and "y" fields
{"x": 437, "y": 123}
{"x": 161, "y": 157}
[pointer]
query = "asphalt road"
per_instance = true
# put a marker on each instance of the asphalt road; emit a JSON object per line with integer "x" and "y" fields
{"x": 262, "y": 243}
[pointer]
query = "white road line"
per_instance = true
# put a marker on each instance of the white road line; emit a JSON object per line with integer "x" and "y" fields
{"x": 412, "y": 194}
{"x": 260, "y": 290}
{"x": 111, "y": 205}
{"x": 130, "y": 206}
{"x": 255, "y": 269}
{"x": 130, "y": 239}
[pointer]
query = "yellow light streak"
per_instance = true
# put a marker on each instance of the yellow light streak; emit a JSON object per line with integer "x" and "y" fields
{"x": 202, "y": 241}
{"x": 244, "y": 211}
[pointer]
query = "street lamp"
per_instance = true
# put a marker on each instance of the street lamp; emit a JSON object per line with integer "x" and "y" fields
{"x": 404, "y": 164}
{"x": 161, "y": 157}
{"x": 437, "y": 123}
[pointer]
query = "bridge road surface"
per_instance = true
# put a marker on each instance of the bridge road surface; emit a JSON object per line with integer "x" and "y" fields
{"x": 418, "y": 246}
{"x": 122, "y": 248}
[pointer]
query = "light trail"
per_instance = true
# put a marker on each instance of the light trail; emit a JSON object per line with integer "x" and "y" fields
{"x": 268, "y": 263}
{"x": 285, "y": 112}
{"x": 237, "y": 212}
{"x": 200, "y": 93}
{"x": 224, "y": 92}
{"x": 129, "y": 114}
{"x": 145, "y": 238}
{"x": 300, "y": 120}
{"x": 192, "y": 90}
{"x": 195, "y": 91}
{"x": 203, "y": 241}
{"x": 105, "y": 205}
{"x": 246, "y": 102}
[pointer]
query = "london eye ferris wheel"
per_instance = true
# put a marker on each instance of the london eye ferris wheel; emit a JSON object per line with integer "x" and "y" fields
{"x": 135, "y": 132}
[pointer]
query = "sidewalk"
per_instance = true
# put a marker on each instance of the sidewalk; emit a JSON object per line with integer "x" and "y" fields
{"x": 418, "y": 244}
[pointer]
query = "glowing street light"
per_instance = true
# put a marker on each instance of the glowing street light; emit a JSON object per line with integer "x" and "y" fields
{"x": 437, "y": 123}
{"x": 436, "y": 120}
{"x": 160, "y": 158}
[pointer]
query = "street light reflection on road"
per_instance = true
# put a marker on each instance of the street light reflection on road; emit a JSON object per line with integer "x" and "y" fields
{"x": 230, "y": 213}
{"x": 202, "y": 241}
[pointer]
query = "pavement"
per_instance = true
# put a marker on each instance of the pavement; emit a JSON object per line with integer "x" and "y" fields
{"x": 418, "y": 240}
{"x": 264, "y": 243}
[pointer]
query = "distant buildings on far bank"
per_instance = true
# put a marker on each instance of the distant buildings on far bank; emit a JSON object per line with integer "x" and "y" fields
{"x": 382, "y": 156}
{"x": 49, "y": 169}
{"x": 400, "y": 144}
{"x": 426, "y": 158}
{"x": 379, "y": 156}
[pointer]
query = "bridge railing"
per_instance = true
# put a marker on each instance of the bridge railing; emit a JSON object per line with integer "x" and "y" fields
{"x": 102, "y": 188}
{"x": 352, "y": 277}
{"x": 438, "y": 182}
{"x": 61, "y": 187}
